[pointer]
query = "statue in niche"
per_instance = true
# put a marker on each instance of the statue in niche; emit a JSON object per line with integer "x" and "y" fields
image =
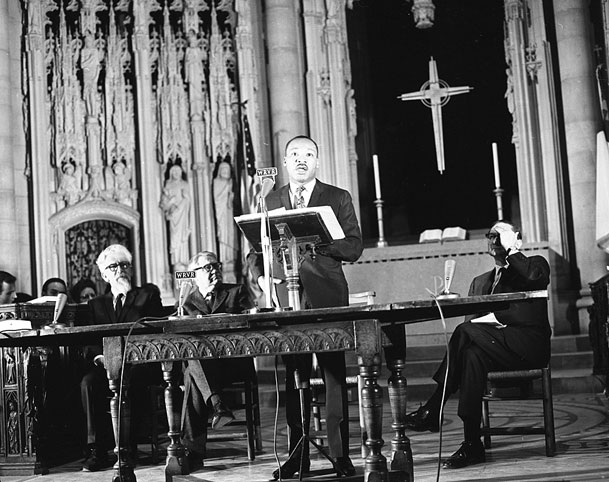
{"x": 118, "y": 181}
{"x": 223, "y": 193}
{"x": 193, "y": 61}
{"x": 175, "y": 203}
{"x": 12, "y": 427}
{"x": 11, "y": 374}
{"x": 509, "y": 91}
{"x": 90, "y": 65}
{"x": 71, "y": 181}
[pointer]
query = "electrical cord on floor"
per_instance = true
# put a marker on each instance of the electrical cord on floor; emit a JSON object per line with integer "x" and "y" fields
{"x": 441, "y": 413}
{"x": 276, "y": 421}
{"x": 141, "y": 321}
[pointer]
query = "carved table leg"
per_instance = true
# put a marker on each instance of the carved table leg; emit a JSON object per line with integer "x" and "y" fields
{"x": 113, "y": 359}
{"x": 402, "y": 454}
{"x": 372, "y": 408}
{"x": 176, "y": 463}
{"x": 123, "y": 470}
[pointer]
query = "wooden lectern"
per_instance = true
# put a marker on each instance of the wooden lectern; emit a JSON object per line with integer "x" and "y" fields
{"x": 292, "y": 232}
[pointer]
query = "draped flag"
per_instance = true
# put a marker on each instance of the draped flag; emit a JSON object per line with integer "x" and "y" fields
{"x": 246, "y": 165}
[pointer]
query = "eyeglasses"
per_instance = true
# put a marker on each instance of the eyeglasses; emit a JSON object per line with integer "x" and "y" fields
{"x": 123, "y": 265}
{"x": 210, "y": 266}
{"x": 492, "y": 236}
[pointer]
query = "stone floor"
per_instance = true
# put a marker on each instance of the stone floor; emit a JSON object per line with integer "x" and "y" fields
{"x": 582, "y": 423}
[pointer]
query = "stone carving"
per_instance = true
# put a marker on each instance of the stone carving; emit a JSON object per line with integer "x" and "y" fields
{"x": 12, "y": 428}
{"x": 175, "y": 203}
{"x": 90, "y": 59}
{"x": 11, "y": 369}
{"x": 118, "y": 182}
{"x": 225, "y": 224}
{"x": 70, "y": 185}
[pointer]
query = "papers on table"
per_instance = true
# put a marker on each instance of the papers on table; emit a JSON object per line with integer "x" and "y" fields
{"x": 490, "y": 319}
{"x": 326, "y": 213}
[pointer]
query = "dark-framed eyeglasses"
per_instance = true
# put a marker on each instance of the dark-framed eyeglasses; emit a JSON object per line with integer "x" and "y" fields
{"x": 491, "y": 236}
{"x": 123, "y": 266}
{"x": 210, "y": 266}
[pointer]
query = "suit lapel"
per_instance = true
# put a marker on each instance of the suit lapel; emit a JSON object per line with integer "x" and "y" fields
{"x": 109, "y": 307}
{"x": 316, "y": 194}
{"x": 219, "y": 298}
{"x": 487, "y": 283}
{"x": 284, "y": 195}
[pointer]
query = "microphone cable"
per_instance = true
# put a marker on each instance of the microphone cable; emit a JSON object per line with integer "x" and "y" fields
{"x": 276, "y": 420}
{"x": 139, "y": 321}
{"x": 441, "y": 413}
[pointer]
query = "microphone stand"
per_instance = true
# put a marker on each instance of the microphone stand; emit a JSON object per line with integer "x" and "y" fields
{"x": 267, "y": 252}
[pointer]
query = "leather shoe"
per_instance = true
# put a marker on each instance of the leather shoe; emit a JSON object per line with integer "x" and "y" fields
{"x": 469, "y": 453}
{"x": 195, "y": 460}
{"x": 422, "y": 419}
{"x": 291, "y": 467}
{"x": 222, "y": 416}
{"x": 344, "y": 467}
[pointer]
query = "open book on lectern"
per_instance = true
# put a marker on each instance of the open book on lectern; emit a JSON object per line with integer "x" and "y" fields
{"x": 317, "y": 225}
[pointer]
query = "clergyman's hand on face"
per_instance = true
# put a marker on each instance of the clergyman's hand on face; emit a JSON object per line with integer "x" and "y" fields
{"x": 508, "y": 239}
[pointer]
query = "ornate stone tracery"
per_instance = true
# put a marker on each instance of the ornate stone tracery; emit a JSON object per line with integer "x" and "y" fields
{"x": 129, "y": 87}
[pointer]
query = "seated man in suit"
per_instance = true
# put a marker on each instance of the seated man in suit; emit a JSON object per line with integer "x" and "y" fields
{"x": 203, "y": 380}
{"x": 122, "y": 304}
{"x": 515, "y": 339}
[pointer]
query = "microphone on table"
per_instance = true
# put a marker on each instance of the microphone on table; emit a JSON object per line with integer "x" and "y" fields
{"x": 449, "y": 272}
{"x": 185, "y": 289}
{"x": 60, "y": 304}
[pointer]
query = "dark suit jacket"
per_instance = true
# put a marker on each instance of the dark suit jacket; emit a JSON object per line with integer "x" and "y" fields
{"x": 229, "y": 298}
{"x": 321, "y": 276}
{"x": 528, "y": 329}
{"x": 139, "y": 303}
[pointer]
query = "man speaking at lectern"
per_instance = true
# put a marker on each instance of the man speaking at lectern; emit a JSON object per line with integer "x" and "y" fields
{"x": 322, "y": 285}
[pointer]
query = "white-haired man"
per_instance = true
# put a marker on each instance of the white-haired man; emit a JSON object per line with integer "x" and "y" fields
{"x": 123, "y": 303}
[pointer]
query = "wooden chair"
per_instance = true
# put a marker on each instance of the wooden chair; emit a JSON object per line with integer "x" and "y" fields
{"x": 522, "y": 381}
{"x": 239, "y": 395}
{"x": 354, "y": 385}
{"x": 242, "y": 395}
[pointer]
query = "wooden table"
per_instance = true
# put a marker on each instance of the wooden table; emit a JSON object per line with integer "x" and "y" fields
{"x": 364, "y": 329}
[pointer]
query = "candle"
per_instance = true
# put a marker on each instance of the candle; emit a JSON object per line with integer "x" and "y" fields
{"x": 496, "y": 166}
{"x": 377, "y": 176}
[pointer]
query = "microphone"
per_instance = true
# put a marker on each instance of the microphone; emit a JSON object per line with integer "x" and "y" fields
{"x": 266, "y": 186}
{"x": 185, "y": 289}
{"x": 449, "y": 272}
{"x": 60, "y": 303}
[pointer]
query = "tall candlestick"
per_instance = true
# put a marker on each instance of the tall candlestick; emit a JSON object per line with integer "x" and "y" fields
{"x": 496, "y": 166}
{"x": 377, "y": 176}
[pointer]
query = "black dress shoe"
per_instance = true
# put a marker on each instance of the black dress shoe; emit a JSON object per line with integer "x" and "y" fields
{"x": 222, "y": 416}
{"x": 344, "y": 467}
{"x": 291, "y": 467}
{"x": 195, "y": 460}
{"x": 469, "y": 453}
{"x": 422, "y": 420}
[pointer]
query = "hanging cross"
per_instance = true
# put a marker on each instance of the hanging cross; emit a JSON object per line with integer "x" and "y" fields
{"x": 435, "y": 93}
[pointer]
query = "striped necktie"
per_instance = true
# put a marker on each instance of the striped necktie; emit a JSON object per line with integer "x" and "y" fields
{"x": 299, "y": 201}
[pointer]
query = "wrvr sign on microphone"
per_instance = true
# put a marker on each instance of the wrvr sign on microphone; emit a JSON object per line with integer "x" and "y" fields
{"x": 185, "y": 275}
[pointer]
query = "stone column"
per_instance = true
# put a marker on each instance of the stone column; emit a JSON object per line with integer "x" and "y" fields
{"x": 155, "y": 257}
{"x": 582, "y": 122}
{"x": 285, "y": 74}
{"x": 8, "y": 231}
